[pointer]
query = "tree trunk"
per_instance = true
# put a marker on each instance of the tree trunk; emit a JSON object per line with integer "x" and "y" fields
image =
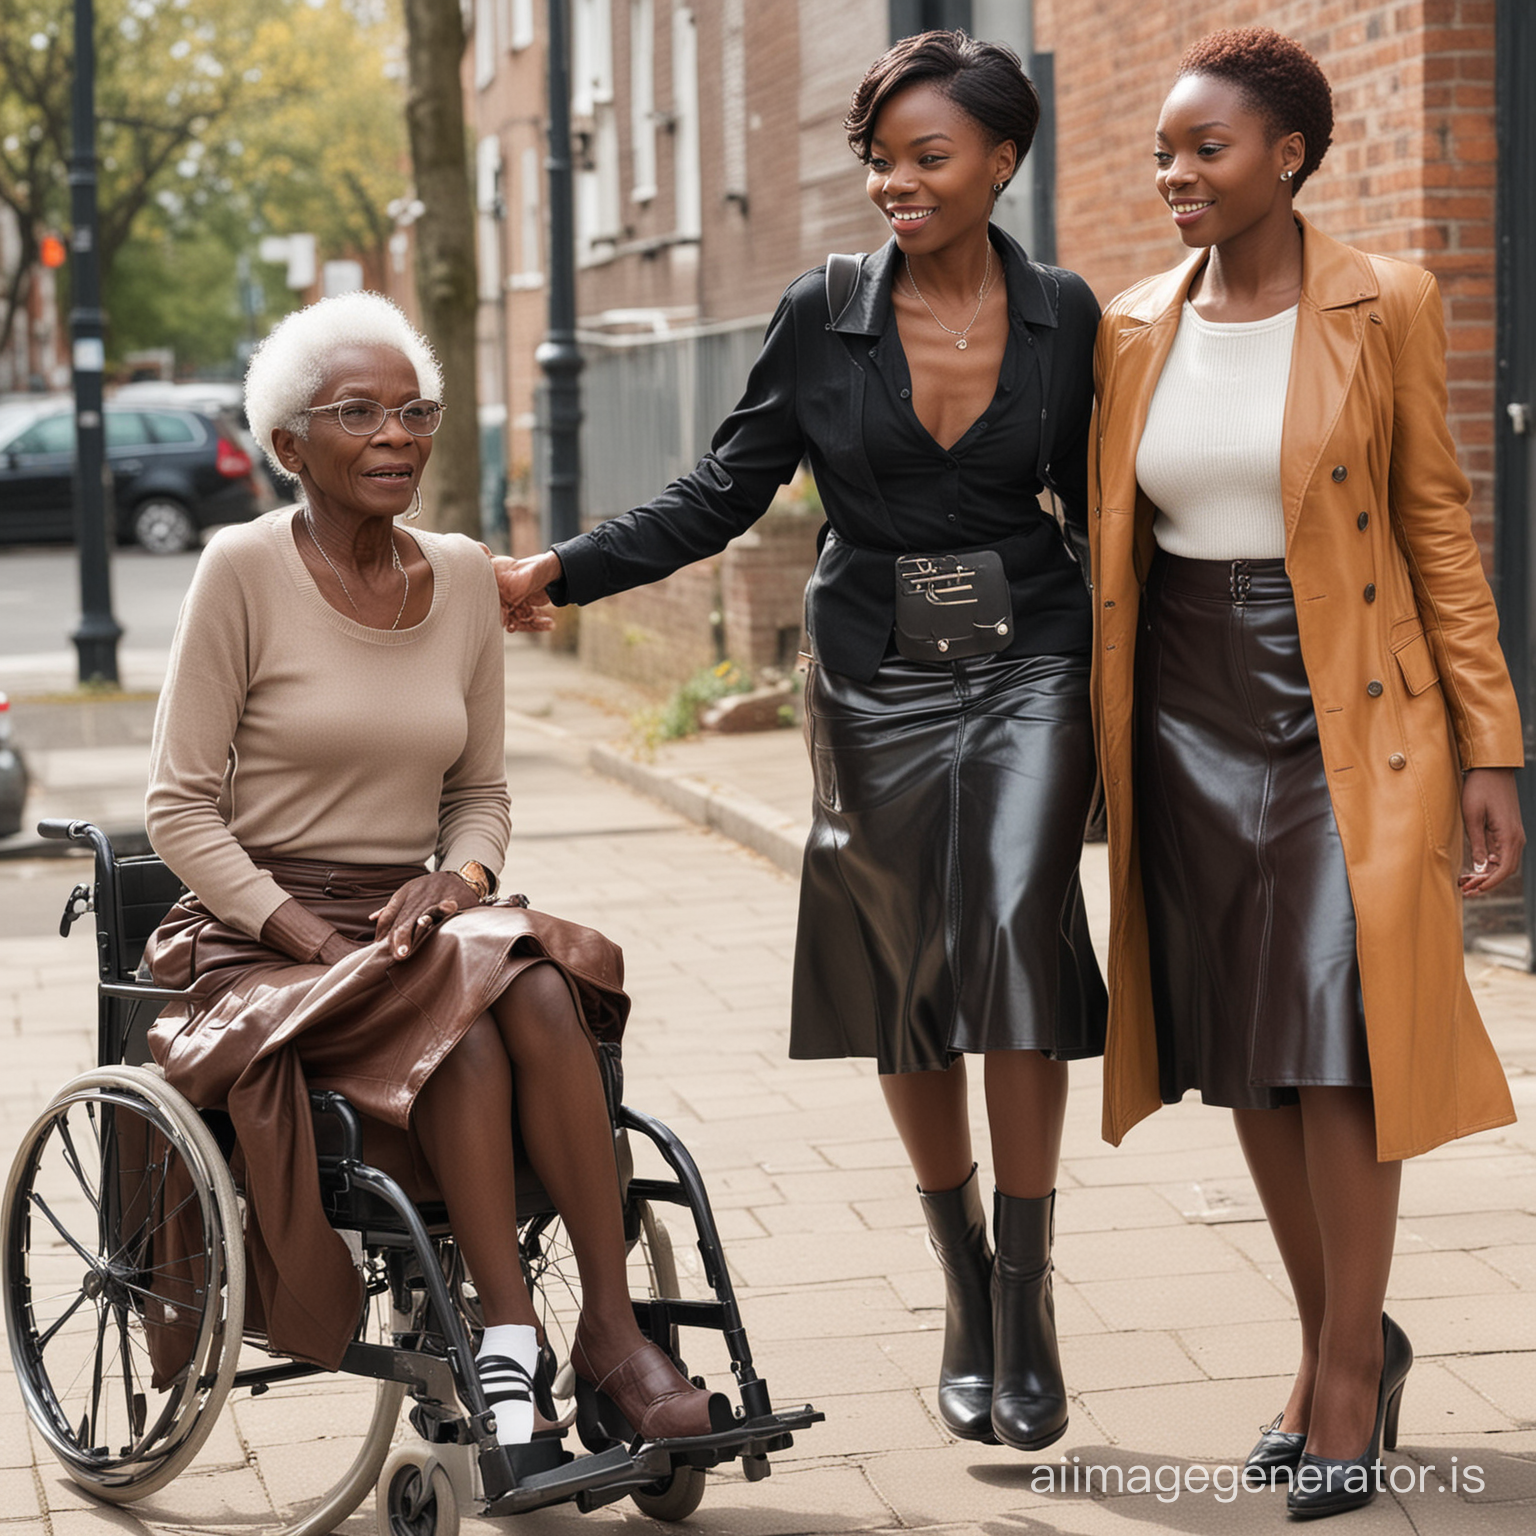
{"x": 445, "y": 254}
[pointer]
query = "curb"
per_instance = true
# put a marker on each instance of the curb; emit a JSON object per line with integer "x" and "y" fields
{"x": 743, "y": 818}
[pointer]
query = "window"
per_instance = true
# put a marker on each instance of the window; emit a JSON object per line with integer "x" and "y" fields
{"x": 126, "y": 429}
{"x": 520, "y": 33}
{"x": 642, "y": 97}
{"x": 488, "y": 215}
{"x": 685, "y": 109}
{"x": 166, "y": 428}
{"x": 530, "y": 255}
{"x": 733, "y": 100}
{"x": 53, "y": 434}
{"x": 598, "y": 221}
{"x": 591, "y": 55}
{"x": 485, "y": 42}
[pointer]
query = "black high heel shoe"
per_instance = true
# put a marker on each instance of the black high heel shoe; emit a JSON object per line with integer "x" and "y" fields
{"x": 1325, "y": 1485}
{"x": 1277, "y": 1448}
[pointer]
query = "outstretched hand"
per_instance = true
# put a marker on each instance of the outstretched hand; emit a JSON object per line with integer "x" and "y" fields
{"x": 1490, "y": 807}
{"x": 521, "y": 584}
{"x": 418, "y": 906}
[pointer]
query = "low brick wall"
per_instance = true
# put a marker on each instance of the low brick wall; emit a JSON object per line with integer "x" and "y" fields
{"x": 746, "y": 604}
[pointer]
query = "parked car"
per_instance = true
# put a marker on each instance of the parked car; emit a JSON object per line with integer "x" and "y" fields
{"x": 224, "y": 402}
{"x": 174, "y": 473}
{"x": 13, "y": 775}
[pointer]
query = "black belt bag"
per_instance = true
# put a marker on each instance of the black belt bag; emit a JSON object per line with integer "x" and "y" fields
{"x": 949, "y": 607}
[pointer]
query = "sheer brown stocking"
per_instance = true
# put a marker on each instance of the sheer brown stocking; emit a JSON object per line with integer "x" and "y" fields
{"x": 1333, "y": 1209}
{"x": 1026, "y": 1105}
{"x": 530, "y": 1045}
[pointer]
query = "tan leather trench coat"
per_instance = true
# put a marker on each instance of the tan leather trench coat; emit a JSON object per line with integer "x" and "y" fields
{"x": 1400, "y": 642}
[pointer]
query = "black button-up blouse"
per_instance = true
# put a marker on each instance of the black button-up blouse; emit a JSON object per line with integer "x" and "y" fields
{"x": 841, "y": 397}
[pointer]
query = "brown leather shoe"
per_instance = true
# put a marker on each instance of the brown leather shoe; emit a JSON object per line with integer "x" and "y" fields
{"x": 656, "y": 1399}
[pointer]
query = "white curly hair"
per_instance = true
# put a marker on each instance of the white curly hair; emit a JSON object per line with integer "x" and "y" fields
{"x": 288, "y": 368}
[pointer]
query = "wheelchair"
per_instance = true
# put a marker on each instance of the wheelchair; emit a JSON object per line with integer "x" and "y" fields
{"x": 124, "y": 1278}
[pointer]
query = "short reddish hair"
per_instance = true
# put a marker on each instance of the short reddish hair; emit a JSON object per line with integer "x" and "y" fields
{"x": 1278, "y": 78}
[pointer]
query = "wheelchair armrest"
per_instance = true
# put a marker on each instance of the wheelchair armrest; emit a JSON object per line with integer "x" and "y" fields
{"x": 327, "y": 1102}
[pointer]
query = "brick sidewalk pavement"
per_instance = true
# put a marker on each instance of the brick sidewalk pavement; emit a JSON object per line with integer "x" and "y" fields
{"x": 1176, "y": 1324}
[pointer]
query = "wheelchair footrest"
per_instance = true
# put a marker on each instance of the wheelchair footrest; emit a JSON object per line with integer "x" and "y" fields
{"x": 745, "y": 1438}
{"x": 615, "y": 1469}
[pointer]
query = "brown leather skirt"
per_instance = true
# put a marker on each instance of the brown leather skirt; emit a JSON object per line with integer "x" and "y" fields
{"x": 259, "y": 1031}
{"x": 1252, "y": 927}
{"x": 940, "y": 905}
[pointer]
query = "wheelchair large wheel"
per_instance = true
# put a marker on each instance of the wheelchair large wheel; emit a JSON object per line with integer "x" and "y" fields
{"x": 124, "y": 1279}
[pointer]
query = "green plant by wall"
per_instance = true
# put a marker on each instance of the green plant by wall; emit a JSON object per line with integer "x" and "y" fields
{"x": 679, "y": 715}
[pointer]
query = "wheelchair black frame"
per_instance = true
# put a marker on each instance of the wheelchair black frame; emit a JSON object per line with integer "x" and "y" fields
{"x": 435, "y": 1380}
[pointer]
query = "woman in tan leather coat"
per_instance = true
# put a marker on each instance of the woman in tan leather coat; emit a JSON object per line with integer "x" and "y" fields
{"x": 1300, "y": 702}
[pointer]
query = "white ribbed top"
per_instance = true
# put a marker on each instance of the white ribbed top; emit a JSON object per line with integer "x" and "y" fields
{"x": 1209, "y": 456}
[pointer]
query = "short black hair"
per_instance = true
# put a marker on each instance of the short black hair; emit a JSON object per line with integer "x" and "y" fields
{"x": 1278, "y": 78}
{"x": 985, "y": 80}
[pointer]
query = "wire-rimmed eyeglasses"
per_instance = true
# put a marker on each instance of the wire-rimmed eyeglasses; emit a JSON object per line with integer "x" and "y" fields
{"x": 362, "y": 418}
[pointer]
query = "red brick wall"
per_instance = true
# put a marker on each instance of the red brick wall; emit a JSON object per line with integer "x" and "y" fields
{"x": 1411, "y": 172}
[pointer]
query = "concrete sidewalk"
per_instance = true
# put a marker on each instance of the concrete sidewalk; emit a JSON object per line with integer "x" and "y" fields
{"x": 1177, "y": 1326}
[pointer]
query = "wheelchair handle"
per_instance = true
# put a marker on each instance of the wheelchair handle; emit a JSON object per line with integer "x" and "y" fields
{"x": 61, "y": 831}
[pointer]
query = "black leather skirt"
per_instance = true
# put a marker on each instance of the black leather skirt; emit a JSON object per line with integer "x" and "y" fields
{"x": 940, "y": 908}
{"x": 1254, "y": 977}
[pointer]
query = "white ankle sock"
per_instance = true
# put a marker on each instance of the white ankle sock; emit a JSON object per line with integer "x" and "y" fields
{"x": 506, "y": 1359}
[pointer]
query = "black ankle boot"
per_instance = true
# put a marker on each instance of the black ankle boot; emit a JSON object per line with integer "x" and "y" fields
{"x": 957, "y": 1227}
{"x": 1029, "y": 1398}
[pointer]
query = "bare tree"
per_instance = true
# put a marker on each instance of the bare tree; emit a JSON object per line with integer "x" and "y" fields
{"x": 445, "y": 250}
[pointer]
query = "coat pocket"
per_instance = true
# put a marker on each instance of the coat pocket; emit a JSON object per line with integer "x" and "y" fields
{"x": 1416, "y": 662}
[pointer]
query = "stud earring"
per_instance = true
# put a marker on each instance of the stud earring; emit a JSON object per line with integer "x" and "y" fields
{"x": 1286, "y": 175}
{"x": 415, "y": 511}
{"x": 997, "y": 186}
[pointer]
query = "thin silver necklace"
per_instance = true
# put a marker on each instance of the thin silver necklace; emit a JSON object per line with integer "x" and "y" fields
{"x": 986, "y": 282}
{"x": 309, "y": 528}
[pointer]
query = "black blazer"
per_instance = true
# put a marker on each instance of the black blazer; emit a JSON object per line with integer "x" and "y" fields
{"x": 806, "y": 399}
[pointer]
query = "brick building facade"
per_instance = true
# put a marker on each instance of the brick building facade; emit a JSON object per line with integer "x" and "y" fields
{"x": 1412, "y": 171}
{"x": 714, "y": 169}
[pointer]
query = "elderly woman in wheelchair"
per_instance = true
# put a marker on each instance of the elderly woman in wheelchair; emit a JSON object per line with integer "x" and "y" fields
{"x": 333, "y": 719}
{"x": 330, "y": 721}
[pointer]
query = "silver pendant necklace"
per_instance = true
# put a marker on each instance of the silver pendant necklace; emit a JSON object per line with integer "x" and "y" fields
{"x": 986, "y": 282}
{"x": 309, "y": 528}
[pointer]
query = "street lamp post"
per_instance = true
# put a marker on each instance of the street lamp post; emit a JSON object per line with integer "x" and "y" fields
{"x": 96, "y": 638}
{"x": 558, "y": 355}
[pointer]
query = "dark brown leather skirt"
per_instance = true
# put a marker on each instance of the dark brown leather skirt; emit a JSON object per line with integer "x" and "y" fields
{"x": 1252, "y": 928}
{"x": 259, "y": 1031}
{"x": 940, "y": 908}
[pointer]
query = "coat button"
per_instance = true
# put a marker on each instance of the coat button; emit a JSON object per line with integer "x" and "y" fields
{"x": 1363, "y": 521}
{"x": 1370, "y": 591}
{"x": 906, "y": 394}
{"x": 1397, "y": 761}
{"x": 1373, "y": 688}
{"x": 1340, "y": 474}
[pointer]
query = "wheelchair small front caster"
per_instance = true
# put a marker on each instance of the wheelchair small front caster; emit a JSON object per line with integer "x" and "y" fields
{"x": 416, "y": 1496}
{"x": 674, "y": 1497}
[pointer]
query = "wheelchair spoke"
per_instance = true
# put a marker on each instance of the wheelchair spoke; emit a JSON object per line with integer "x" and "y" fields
{"x": 96, "y": 1375}
{"x": 126, "y": 1355}
{"x": 80, "y": 1299}
{"x": 72, "y": 1158}
{"x": 94, "y": 1260}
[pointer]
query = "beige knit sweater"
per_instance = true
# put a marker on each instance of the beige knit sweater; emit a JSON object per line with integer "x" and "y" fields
{"x": 286, "y": 725}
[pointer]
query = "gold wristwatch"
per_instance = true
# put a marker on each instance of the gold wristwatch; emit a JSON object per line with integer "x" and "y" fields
{"x": 475, "y": 874}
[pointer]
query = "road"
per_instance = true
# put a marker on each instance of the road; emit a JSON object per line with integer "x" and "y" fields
{"x": 40, "y": 599}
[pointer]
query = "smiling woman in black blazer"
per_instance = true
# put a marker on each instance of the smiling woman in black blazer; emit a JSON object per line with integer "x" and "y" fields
{"x": 935, "y": 387}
